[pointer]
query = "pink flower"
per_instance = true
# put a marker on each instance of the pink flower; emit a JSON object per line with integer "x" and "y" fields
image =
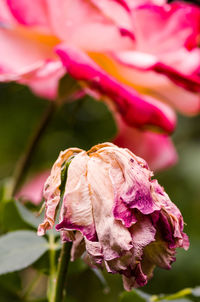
{"x": 30, "y": 32}
{"x": 113, "y": 212}
{"x": 139, "y": 68}
{"x": 32, "y": 190}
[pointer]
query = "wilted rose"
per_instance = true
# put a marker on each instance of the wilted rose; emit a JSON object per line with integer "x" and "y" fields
{"x": 115, "y": 214}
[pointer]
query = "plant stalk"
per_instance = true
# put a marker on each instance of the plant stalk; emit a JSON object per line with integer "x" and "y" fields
{"x": 52, "y": 261}
{"x": 62, "y": 272}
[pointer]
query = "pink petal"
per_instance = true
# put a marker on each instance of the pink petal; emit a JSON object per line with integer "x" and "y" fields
{"x": 158, "y": 85}
{"x": 143, "y": 233}
{"x": 146, "y": 62}
{"x": 22, "y": 51}
{"x": 169, "y": 26}
{"x": 157, "y": 149}
{"x": 79, "y": 22}
{"x": 169, "y": 220}
{"x": 51, "y": 191}
{"x": 131, "y": 185}
{"x": 121, "y": 15}
{"x": 44, "y": 80}
{"x": 76, "y": 212}
{"x": 184, "y": 101}
{"x": 135, "y": 110}
{"x": 29, "y": 13}
{"x": 5, "y": 15}
{"x": 139, "y": 278}
{"x": 78, "y": 247}
{"x": 113, "y": 237}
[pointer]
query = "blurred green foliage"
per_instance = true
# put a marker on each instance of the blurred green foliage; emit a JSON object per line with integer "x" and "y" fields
{"x": 82, "y": 124}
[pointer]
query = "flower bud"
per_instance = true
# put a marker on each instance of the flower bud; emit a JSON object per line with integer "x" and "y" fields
{"x": 115, "y": 214}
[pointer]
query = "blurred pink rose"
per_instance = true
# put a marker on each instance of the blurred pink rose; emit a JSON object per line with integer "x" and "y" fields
{"x": 32, "y": 189}
{"x": 30, "y": 31}
{"x": 113, "y": 212}
{"x": 99, "y": 43}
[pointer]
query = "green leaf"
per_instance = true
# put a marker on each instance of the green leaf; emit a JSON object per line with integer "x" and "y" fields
{"x": 133, "y": 296}
{"x": 20, "y": 249}
{"x": 28, "y": 216}
{"x": 196, "y": 291}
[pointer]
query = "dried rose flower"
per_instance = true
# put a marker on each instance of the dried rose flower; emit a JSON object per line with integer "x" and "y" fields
{"x": 115, "y": 214}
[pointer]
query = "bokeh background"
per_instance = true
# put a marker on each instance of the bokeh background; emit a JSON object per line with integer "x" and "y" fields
{"x": 83, "y": 124}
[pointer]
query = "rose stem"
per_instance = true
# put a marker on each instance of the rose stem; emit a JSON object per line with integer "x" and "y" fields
{"x": 62, "y": 271}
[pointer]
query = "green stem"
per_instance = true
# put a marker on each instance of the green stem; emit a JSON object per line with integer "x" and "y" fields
{"x": 23, "y": 164}
{"x": 52, "y": 278}
{"x": 62, "y": 272}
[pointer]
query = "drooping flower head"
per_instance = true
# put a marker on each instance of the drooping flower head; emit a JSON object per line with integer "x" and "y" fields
{"x": 115, "y": 214}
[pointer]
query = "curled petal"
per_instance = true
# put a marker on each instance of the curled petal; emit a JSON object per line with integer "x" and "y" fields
{"x": 76, "y": 212}
{"x": 159, "y": 254}
{"x": 147, "y": 62}
{"x": 52, "y": 190}
{"x": 169, "y": 220}
{"x": 134, "y": 110}
{"x": 131, "y": 183}
{"x": 78, "y": 246}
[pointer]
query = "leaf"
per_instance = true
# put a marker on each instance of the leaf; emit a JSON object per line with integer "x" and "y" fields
{"x": 20, "y": 249}
{"x": 30, "y": 219}
{"x": 196, "y": 291}
{"x": 28, "y": 216}
{"x": 133, "y": 296}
